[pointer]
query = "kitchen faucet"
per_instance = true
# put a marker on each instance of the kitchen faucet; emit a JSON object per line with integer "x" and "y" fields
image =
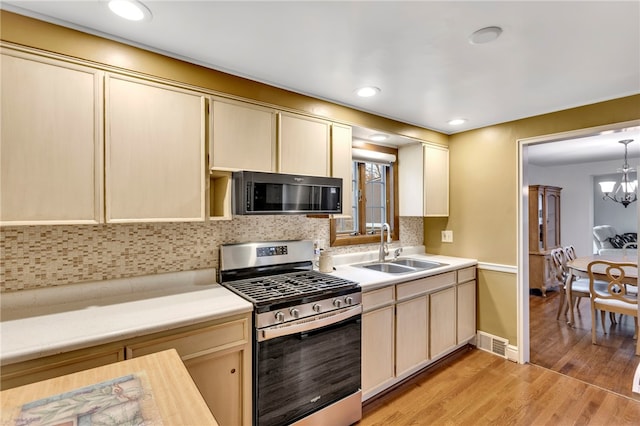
{"x": 384, "y": 251}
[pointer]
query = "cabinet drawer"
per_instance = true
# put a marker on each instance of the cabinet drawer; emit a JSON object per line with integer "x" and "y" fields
{"x": 425, "y": 285}
{"x": 466, "y": 274}
{"x": 377, "y": 298}
{"x": 31, "y": 371}
{"x": 198, "y": 342}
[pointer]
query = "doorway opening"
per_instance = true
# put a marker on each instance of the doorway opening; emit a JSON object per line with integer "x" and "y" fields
{"x": 578, "y": 232}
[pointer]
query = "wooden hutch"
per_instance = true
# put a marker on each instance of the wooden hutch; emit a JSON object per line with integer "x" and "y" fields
{"x": 544, "y": 235}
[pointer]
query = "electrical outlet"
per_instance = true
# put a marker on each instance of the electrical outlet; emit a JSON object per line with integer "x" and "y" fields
{"x": 447, "y": 236}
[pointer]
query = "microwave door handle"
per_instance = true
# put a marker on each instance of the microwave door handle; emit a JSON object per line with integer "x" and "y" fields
{"x": 308, "y": 324}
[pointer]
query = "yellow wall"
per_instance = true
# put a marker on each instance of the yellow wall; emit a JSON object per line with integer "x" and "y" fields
{"x": 483, "y": 199}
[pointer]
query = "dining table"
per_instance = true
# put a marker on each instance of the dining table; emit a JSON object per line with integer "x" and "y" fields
{"x": 578, "y": 268}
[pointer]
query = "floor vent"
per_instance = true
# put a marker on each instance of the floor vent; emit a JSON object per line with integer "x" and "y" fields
{"x": 494, "y": 344}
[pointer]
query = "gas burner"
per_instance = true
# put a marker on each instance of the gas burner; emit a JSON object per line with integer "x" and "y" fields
{"x": 277, "y": 288}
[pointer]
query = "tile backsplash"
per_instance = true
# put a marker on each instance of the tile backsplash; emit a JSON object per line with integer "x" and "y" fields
{"x": 42, "y": 256}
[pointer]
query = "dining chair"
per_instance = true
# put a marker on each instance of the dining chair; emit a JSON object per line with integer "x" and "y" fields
{"x": 570, "y": 252}
{"x": 558, "y": 259}
{"x": 614, "y": 298}
{"x": 579, "y": 285}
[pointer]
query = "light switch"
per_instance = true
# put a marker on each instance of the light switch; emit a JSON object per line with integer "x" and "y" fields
{"x": 447, "y": 236}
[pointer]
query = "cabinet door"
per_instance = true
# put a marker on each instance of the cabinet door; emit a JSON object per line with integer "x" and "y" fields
{"x": 154, "y": 152}
{"x": 466, "y": 311}
{"x": 410, "y": 180}
{"x": 443, "y": 321}
{"x": 218, "y": 359}
{"x": 412, "y": 332}
{"x": 377, "y": 348}
{"x": 303, "y": 145}
{"x": 436, "y": 181}
{"x": 243, "y": 137}
{"x": 342, "y": 165}
{"x": 219, "y": 379}
{"x": 50, "y": 142}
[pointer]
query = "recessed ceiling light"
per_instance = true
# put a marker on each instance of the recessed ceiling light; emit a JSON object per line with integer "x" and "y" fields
{"x": 132, "y": 10}
{"x": 378, "y": 137}
{"x": 457, "y": 121}
{"x": 367, "y": 92}
{"x": 485, "y": 35}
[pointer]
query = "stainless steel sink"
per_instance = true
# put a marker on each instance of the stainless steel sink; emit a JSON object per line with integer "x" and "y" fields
{"x": 402, "y": 266}
{"x": 389, "y": 268}
{"x": 418, "y": 264}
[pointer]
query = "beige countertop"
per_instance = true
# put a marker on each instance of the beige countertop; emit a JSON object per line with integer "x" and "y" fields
{"x": 42, "y": 322}
{"x": 347, "y": 266}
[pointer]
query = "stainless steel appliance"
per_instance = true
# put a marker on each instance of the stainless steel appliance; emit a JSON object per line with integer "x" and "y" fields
{"x": 306, "y": 334}
{"x": 277, "y": 193}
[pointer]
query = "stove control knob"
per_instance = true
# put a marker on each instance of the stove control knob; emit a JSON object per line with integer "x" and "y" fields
{"x": 279, "y": 316}
{"x": 348, "y": 300}
{"x": 295, "y": 313}
{"x": 337, "y": 303}
{"x": 316, "y": 308}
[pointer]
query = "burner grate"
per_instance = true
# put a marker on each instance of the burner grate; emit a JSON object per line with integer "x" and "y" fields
{"x": 272, "y": 288}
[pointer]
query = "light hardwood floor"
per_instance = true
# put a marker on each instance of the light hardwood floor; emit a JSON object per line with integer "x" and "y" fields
{"x": 478, "y": 388}
{"x": 580, "y": 383}
{"x": 609, "y": 364}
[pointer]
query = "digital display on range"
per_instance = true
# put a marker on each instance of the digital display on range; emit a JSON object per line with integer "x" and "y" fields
{"x": 271, "y": 251}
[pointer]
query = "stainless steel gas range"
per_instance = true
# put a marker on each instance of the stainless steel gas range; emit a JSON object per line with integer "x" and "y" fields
{"x": 306, "y": 335}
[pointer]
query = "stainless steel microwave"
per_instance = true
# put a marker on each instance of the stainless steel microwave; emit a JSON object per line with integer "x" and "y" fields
{"x": 277, "y": 193}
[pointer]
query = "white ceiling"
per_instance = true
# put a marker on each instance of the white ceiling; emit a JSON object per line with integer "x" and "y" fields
{"x": 552, "y": 55}
{"x": 588, "y": 149}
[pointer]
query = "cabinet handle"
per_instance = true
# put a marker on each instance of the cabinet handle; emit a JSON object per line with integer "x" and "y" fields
{"x": 233, "y": 370}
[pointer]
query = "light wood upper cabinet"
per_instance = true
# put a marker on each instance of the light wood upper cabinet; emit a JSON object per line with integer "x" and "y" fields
{"x": 423, "y": 176}
{"x": 155, "y": 147}
{"x": 303, "y": 145}
{"x": 410, "y": 181}
{"x": 436, "y": 181}
{"x": 243, "y": 137}
{"x": 51, "y": 141}
{"x": 342, "y": 164}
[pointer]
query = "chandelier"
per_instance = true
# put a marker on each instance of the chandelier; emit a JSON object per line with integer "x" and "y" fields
{"x": 624, "y": 192}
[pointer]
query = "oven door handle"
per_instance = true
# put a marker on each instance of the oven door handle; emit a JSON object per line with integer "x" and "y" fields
{"x": 307, "y": 324}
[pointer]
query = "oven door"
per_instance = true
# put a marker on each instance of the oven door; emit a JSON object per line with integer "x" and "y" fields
{"x": 307, "y": 365}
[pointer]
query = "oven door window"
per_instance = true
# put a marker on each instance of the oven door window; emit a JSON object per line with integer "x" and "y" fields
{"x": 302, "y": 373}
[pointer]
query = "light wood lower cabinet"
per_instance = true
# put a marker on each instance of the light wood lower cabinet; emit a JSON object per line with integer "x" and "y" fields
{"x": 442, "y": 336}
{"x": 217, "y": 355}
{"x": 466, "y": 311}
{"x": 218, "y": 358}
{"x": 35, "y": 370}
{"x": 412, "y": 334}
{"x": 407, "y": 326}
{"x": 377, "y": 339}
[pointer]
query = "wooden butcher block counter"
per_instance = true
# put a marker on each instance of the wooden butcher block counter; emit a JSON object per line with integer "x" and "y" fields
{"x": 154, "y": 390}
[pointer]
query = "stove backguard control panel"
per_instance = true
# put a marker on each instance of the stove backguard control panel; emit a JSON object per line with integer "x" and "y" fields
{"x": 272, "y": 251}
